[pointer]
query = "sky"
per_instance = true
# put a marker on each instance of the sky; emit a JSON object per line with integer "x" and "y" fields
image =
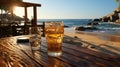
{"x": 70, "y": 9}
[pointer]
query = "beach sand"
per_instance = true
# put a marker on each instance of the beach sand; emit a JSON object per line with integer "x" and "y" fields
{"x": 96, "y": 41}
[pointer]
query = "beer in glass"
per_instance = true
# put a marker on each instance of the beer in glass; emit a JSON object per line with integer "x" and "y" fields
{"x": 54, "y": 32}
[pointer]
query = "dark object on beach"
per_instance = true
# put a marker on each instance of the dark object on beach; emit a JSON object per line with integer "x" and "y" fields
{"x": 75, "y": 37}
{"x": 80, "y": 28}
{"x": 85, "y": 28}
{"x": 66, "y": 26}
{"x": 93, "y": 23}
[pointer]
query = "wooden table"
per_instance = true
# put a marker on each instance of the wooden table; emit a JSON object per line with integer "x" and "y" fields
{"x": 20, "y": 55}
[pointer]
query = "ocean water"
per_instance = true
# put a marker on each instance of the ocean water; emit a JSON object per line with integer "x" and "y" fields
{"x": 103, "y": 27}
{"x": 68, "y": 22}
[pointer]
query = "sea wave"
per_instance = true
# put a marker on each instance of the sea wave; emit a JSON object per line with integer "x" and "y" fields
{"x": 103, "y": 27}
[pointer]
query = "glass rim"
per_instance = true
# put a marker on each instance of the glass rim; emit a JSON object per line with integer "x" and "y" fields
{"x": 53, "y": 21}
{"x": 60, "y": 23}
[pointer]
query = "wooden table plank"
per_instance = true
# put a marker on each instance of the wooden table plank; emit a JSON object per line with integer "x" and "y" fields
{"x": 20, "y": 54}
{"x": 11, "y": 54}
{"x": 90, "y": 56}
{"x": 44, "y": 58}
{"x": 111, "y": 58}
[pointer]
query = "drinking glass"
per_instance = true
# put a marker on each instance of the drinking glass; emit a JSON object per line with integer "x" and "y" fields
{"x": 35, "y": 37}
{"x": 54, "y": 32}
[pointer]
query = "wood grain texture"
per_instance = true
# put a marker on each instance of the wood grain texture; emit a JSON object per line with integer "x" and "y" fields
{"x": 20, "y": 55}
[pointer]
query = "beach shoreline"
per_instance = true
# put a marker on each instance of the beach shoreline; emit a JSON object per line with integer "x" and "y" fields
{"x": 103, "y": 42}
{"x": 100, "y": 35}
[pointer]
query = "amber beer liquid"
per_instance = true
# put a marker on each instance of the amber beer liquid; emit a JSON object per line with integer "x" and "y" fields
{"x": 54, "y": 36}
